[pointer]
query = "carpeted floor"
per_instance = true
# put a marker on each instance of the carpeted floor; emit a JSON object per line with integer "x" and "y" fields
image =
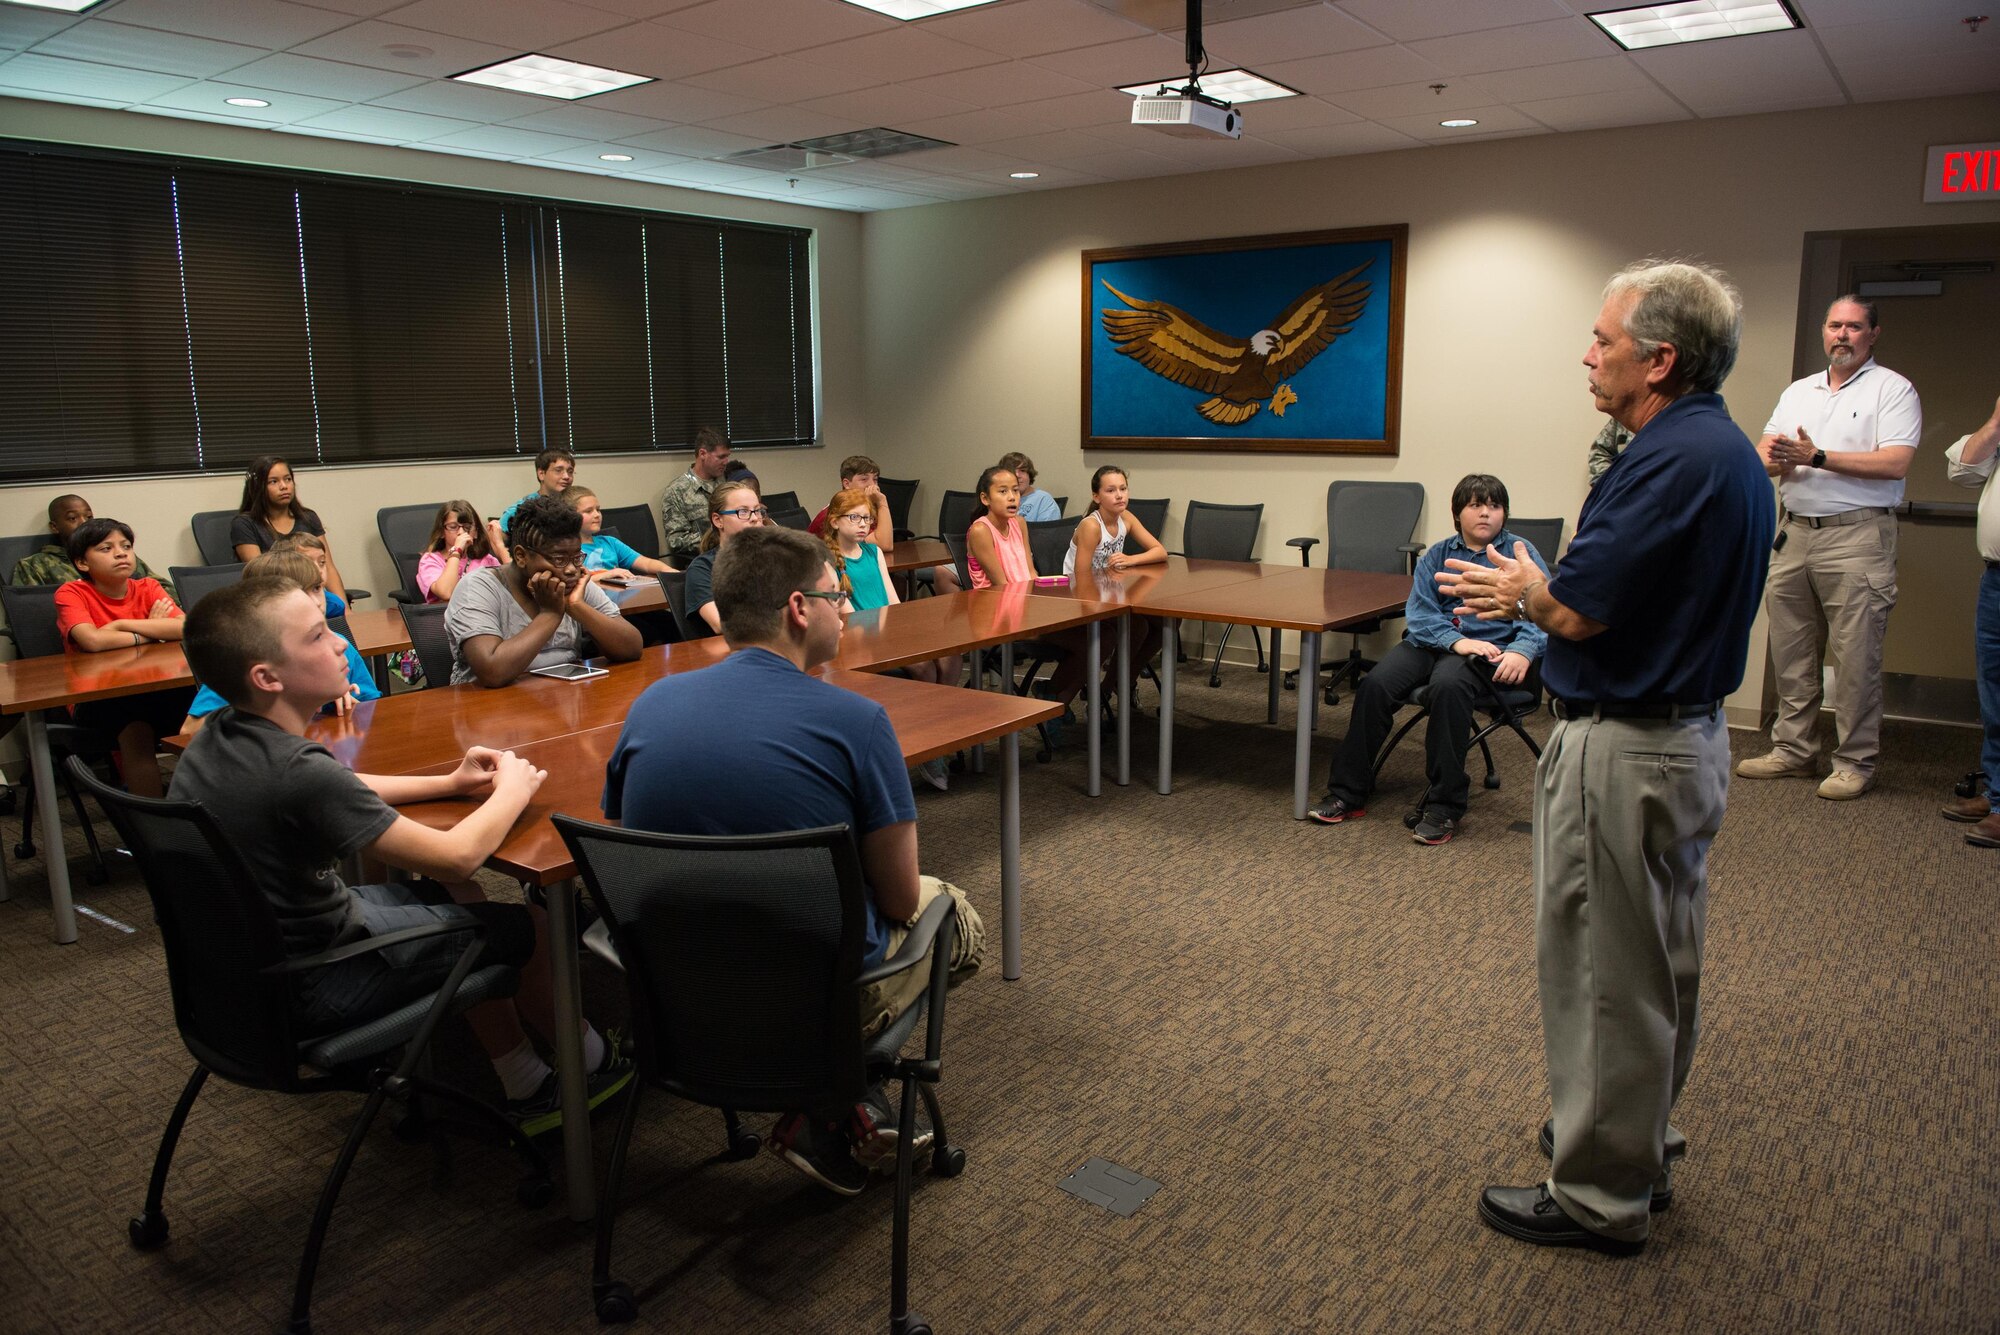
{"x": 1322, "y": 1042}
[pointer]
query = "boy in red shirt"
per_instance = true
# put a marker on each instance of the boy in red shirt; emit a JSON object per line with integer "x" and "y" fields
{"x": 109, "y": 608}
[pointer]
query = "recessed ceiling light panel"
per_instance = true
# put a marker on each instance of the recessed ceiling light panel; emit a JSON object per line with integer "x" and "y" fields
{"x": 1232, "y": 86}
{"x": 547, "y": 76}
{"x": 908, "y": 10}
{"x": 1024, "y": 176}
{"x": 65, "y": 6}
{"x": 1458, "y": 123}
{"x": 1647, "y": 26}
{"x": 614, "y": 157}
{"x": 246, "y": 102}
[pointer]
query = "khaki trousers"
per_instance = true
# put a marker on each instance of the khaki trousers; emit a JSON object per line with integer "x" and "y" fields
{"x": 884, "y": 1001}
{"x": 1837, "y": 586}
{"x": 1624, "y": 813}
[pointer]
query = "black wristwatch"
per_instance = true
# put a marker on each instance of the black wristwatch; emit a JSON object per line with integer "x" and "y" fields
{"x": 1819, "y": 459}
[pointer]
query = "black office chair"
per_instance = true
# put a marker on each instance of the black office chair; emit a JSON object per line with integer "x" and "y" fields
{"x": 196, "y": 582}
{"x": 1504, "y": 706}
{"x": 674, "y": 586}
{"x": 793, "y": 517}
{"x": 782, "y": 500}
{"x": 1062, "y": 504}
{"x": 406, "y": 528}
{"x": 774, "y": 924}
{"x": 232, "y": 985}
{"x": 901, "y": 493}
{"x": 13, "y": 549}
{"x": 636, "y": 528}
{"x": 211, "y": 536}
{"x": 31, "y": 616}
{"x": 1544, "y": 535}
{"x": 956, "y": 511}
{"x": 425, "y": 622}
{"x": 1049, "y": 541}
{"x": 406, "y": 571}
{"x": 1223, "y": 533}
{"x": 1368, "y": 527}
{"x": 1153, "y": 514}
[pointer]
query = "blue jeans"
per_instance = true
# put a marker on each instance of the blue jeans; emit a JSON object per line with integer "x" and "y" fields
{"x": 1986, "y": 645}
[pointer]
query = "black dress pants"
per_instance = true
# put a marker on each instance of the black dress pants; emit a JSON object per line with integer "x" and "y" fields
{"x": 1456, "y": 686}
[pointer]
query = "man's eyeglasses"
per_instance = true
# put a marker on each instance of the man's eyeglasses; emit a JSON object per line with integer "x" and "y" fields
{"x": 833, "y": 596}
{"x": 747, "y": 511}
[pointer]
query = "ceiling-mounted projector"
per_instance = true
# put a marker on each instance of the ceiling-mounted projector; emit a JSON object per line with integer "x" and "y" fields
{"x": 1187, "y": 114}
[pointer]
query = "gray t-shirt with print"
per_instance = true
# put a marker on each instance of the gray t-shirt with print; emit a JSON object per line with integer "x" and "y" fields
{"x": 481, "y": 605}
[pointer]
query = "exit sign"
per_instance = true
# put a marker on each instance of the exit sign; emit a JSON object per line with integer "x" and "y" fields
{"x": 1962, "y": 173}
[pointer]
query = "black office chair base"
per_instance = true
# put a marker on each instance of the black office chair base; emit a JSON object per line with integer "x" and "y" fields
{"x": 1970, "y": 785}
{"x": 909, "y": 1324}
{"x": 615, "y": 1304}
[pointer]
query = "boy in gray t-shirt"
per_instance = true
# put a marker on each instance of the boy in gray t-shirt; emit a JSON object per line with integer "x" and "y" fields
{"x": 294, "y": 812}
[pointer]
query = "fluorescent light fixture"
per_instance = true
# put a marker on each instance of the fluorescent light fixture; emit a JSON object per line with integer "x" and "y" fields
{"x": 1458, "y": 123}
{"x": 246, "y": 102}
{"x": 614, "y": 157}
{"x": 909, "y": 10}
{"x": 66, "y": 6}
{"x": 547, "y": 76}
{"x": 1023, "y": 176}
{"x": 1693, "y": 21}
{"x": 1232, "y": 86}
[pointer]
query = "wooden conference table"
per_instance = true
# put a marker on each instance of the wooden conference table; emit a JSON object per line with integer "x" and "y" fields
{"x": 30, "y": 685}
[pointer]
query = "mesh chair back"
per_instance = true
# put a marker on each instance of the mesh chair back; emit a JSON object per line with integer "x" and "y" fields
{"x": 692, "y": 627}
{"x": 31, "y": 613}
{"x": 1546, "y": 535}
{"x": 13, "y": 549}
{"x": 1367, "y": 524}
{"x": 636, "y": 528}
{"x": 196, "y": 582}
{"x": 1062, "y": 504}
{"x": 740, "y": 956}
{"x": 1153, "y": 514}
{"x": 406, "y": 570}
{"x": 406, "y": 528}
{"x": 1220, "y": 532}
{"x": 219, "y": 933}
{"x": 956, "y": 512}
{"x": 791, "y": 517}
{"x": 901, "y": 493}
{"x": 1049, "y": 541}
{"x": 956, "y": 544}
{"x": 775, "y": 501}
{"x": 211, "y": 536}
{"x": 425, "y": 622}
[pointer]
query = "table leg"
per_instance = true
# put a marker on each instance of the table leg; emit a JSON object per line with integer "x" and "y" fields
{"x": 1010, "y": 856}
{"x": 1302, "y": 760}
{"x": 579, "y": 1173}
{"x": 54, "y": 854}
{"x": 1169, "y": 647}
{"x": 1271, "y": 705}
{"x": 1125, "y": 700}
{"x": 977, "y": 762}
{"x": 1093, "y": 716}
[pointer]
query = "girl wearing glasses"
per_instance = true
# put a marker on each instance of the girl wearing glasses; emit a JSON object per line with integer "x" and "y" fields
{"x": 458, "y": 546}
{"x": 732, "y": 507}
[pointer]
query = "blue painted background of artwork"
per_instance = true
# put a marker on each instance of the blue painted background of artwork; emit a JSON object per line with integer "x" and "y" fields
{"x": 1342, "y": 392}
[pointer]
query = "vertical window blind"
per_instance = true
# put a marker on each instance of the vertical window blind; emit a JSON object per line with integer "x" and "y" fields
{"x": 164, "y": 317}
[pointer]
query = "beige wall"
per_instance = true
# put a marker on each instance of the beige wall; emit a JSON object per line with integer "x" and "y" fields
{"x": 347, "y": 498}
{"x": 973, "y": 308}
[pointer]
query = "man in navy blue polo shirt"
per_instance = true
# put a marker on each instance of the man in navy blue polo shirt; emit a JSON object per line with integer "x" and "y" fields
{"x": 1649, "y": 623}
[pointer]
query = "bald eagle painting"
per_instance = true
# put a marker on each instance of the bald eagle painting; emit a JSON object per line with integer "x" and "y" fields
{"x": 1238, "y": 373}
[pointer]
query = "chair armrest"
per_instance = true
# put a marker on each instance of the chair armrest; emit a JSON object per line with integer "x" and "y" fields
{"x": 1411, "y": 551}
{"x": 403, "y": 596}
{"x": 1305, "y": 546}
{"x": 301, "y": 963}
{"x": 905, "y": 535}
{"x": 356, "y": 595}
{"x": 915, "y": 946}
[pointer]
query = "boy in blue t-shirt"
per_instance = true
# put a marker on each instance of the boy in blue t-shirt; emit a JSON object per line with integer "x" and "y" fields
{"x": 605, "y": 556}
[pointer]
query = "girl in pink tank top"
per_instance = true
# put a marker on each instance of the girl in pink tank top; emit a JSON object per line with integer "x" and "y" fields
{"x": 997, "y": 551}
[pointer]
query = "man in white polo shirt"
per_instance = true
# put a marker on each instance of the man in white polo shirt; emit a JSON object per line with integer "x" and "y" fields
{"x": 1840, "y": 444}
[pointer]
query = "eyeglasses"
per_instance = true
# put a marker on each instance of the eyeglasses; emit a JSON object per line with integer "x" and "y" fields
{"x": 833, "y": 596}
{"x": 453, "y": 526}
{"x": 866, "y": 521}
{"x": 571, "y": 562}
{"x": 746, "y": 511}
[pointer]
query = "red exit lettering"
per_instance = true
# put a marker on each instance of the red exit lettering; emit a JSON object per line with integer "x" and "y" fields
{"x": 1970, "y": 173}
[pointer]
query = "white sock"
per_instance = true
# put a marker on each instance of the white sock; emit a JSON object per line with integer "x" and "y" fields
{"x": 593, "y": 1048}
{"x": 521, "y": 1071}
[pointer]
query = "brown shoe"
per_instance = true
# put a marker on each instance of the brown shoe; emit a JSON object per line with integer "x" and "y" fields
{"x": 1986, "y": 834}
{"x": 1773, "y": 765}
{"x": 1966, "y": 810}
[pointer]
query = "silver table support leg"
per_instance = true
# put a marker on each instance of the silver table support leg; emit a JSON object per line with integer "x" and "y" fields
{"x": 1010, "y": 856}
{"x": 54, "y": 853}
{"x": 1302, "y": 761}
{"x": 1093, "y": 717}
{"x": 1271, "y": 705}
{"x": 578, "y": 1170}
{"x": 1169, "y": 648}
{"x": 1125, "y": 700}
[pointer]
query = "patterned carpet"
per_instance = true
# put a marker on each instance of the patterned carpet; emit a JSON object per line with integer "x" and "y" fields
{"x": 1322, "y": 1042}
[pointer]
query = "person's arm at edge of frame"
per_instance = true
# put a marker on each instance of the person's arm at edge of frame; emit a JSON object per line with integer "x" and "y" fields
{"x": 507, "y": 783}
{"x": 1967, "y": 469}
{"x": 889, "y": 863}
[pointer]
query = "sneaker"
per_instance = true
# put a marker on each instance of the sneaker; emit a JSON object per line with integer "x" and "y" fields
{"x": 1844, "y": 785}
{"x": 1434, "y": 829}
{"x": 1772, "y": 765}
{"x": 820, "y": 1151}
{"x": 1333, "y": 811}
{"x": 936, "y": 773}
{"x": 541, "y": 1112}
{"x": 875, "y": 1133}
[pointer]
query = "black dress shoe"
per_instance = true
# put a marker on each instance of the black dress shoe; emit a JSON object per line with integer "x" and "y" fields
{"x": 1663, "y": 1190}
{"x": 1532, "y": 1215}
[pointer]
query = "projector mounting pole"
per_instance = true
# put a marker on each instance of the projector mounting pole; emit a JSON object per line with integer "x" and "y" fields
{"x": 1195, "y": 54}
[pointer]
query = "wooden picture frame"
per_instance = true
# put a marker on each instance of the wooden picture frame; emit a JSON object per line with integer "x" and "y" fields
{"x": 1174, "y": 357}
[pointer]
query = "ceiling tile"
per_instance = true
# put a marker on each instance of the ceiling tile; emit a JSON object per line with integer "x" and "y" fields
{"x": 1064, "y": 145}
{"x": 693, "y": 141}
{"x": 1838, "y": 13}
{"x": 364, "y": 43}
{"x": 144, "y": 49}
{"x": 366, "y": 9}
{"x": 1575, "y": 78}
{"x": 781, "y": 25}
{"x": 1281, "y": 36}
{"x": 22, "y": 28}
{"x": 588, "y": 120}
{"x": 387, "y": 123}
{"x": 870, "y": 197}
{"x": 1377, "y": 67}
{"x": 1735, "y": 76}
{"x": 1033, "y": 27}
{"x": 892, "y": 105}
{"x": 642, "y": 9}
{"x": 657, "y": 50}
{"x": 1114, "y": 64}
{"x": 1602, "y": 111}
{"x": 287, "y": 73}
{"x": 272, "y": 24}
{"x": 780, "y": 125}
{"x": 706, "y": 173}
{"x": 1413, "y": 99}
{"x": 209, "y": 98}
{"x": 974, "y": 127}
{"x": 36, "y": 73}
{"x": 590, "y": 155}
{"x": 962, "y": 161}
{"x": 1002, "y": 85}
{"x": 675, "y": 102}
{"x": 903, "y": 53}
{"x": 1920, "y": 57}
{"x": 782, "y": 79}
{"x": 1292, "y": 113}
{"x": 505, "y": 139}
{"x": 1416, "y": 20}
{"x": 1333, "y": 141}
{"x": 1492, "y": 120}
{"x": 467, "y": 101}
{"x": 1078, "y": 111}
{"x": 1516, "y": 47}
{"x": 1124, "y": 165}
{"x": 526, "y": 25}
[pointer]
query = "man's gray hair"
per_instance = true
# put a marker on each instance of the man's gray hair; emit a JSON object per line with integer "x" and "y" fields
{"x": 1693, "y": 307}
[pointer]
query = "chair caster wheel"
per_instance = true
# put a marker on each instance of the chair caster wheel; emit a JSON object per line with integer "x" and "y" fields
{"x": 1214, "y": 682}
{"x": 745, "y": 1146}
{"x": 24, "y": 849}
{"x": 96, "y": 878}
{"x": 1263, "y": 667}
{"x": 1492, "y": 781}
{"x": 534, "y": 1193}
{"x": 1330, "y": 699}
{"x": 947, "y": 1162}
{"x": 909, "y": 1324}
{"x": 615, "y": 1304}
{"x": 1410, "y": 820}
{"x": 148, "y": 1232}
